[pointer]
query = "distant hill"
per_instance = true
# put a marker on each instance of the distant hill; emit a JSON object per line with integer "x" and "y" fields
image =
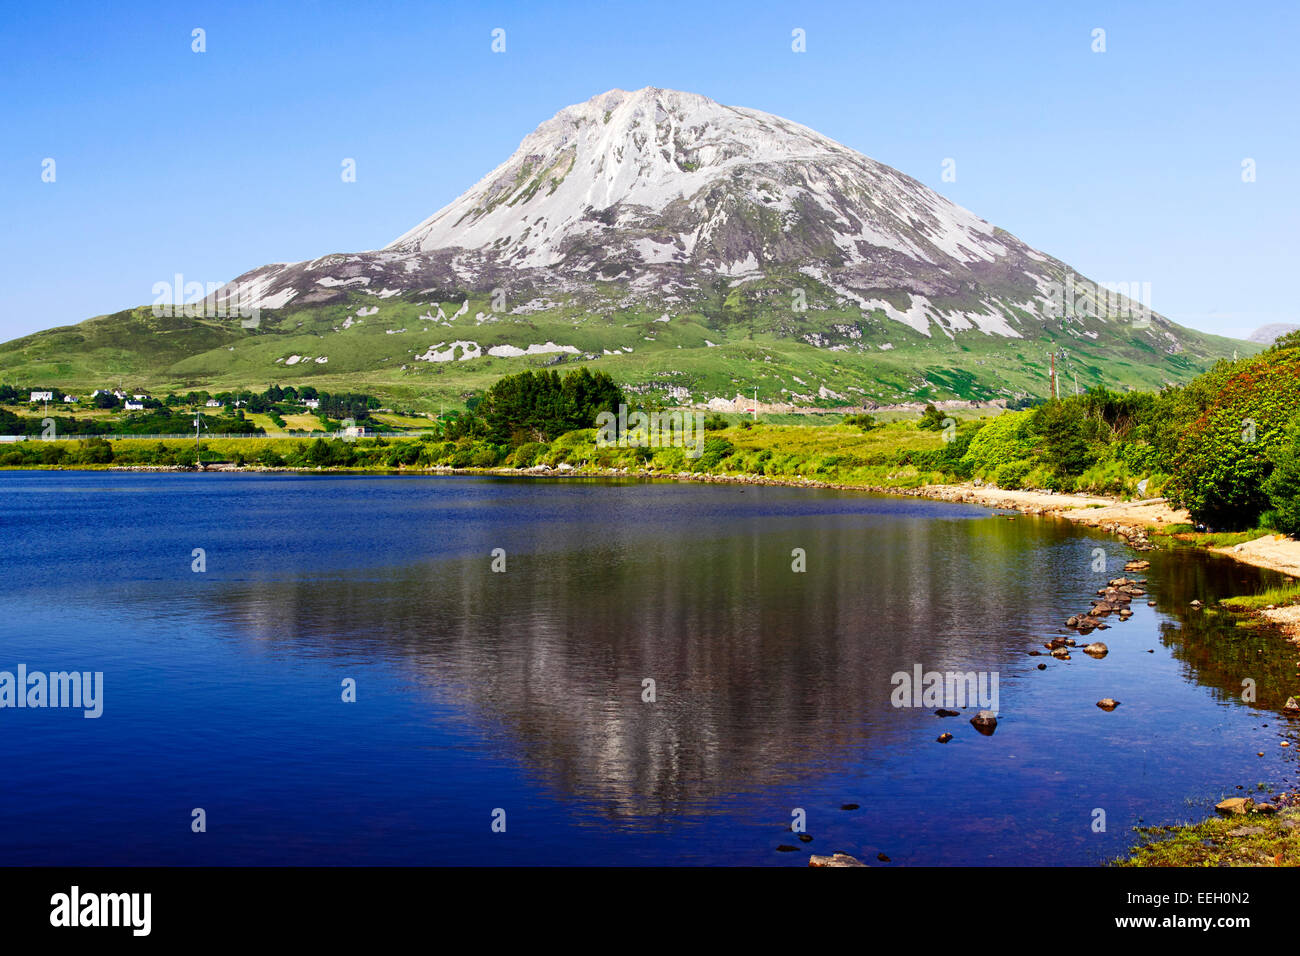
{"x": 1268, "y": 334}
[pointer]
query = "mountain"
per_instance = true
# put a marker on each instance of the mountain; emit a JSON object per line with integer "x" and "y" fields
{"x": 1268, "y": 334}
{"x": 695, "y": 251}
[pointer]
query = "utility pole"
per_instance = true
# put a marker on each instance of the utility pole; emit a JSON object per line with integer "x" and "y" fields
{"x": 1053, "y": 381}
{"x": 198, "y": 454}
{"x": 755, "y": 403}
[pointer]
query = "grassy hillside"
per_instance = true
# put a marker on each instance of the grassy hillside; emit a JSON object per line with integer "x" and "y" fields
{"x": 385, "y": 347}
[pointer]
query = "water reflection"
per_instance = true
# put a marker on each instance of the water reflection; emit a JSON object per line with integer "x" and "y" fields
{"x": 760, "y": 673}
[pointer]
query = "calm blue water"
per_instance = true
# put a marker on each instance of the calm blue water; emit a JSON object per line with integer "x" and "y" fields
{"x": 522, "y": 690}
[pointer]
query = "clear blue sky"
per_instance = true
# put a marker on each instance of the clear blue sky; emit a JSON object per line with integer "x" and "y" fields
{"x": 1125, "y": 164}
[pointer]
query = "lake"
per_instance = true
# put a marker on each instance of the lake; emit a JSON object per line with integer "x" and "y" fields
{"x": 521, "y": 695}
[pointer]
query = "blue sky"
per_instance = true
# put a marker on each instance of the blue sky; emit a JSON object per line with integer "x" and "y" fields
{"x": 1126, "y": 164}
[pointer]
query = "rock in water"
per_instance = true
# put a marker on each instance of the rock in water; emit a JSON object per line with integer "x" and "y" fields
{"x": 985, "y": 722}
{"x": 944, "y": 738}
{"x": 838, "y": 859}
{"x": 1096, "y": 649}
{"x": 1235, "y": 805}
{"x": 1108, "y": 703}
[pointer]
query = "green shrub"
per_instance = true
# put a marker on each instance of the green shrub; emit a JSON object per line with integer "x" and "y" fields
{"x": 1223, "y": 458}
{"x": 526, "y": 455}
{"x": 1004, "y": 440}
{"x": 1011, "y": 475}
{"x": 1283, "y": 485}
{"x": 715, "y": 450}
{"x": 931, "y": 419}
{"x": 863, "y": 421}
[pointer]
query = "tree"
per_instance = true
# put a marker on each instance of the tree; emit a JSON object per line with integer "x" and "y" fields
{"x": 1238, "y": 415}
{"x": 931, "y": 419}
{"x": 540, "y": 406}
{"x": 1063, "y": 443}
{"x": 1283, "y": 485}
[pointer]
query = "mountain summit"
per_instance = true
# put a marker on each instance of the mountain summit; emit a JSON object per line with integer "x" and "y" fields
{"x": 659, "y": 177}
{"x": 669, "y": 191}
{"x": 694, "y": 251}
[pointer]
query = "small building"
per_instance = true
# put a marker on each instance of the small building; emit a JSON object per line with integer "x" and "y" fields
{"x": 69, "y": 398}
{"x": 356, "y": 431}
{"x": 312, "y": 403}
{"x": 132, "y": 406}
{"x": 213, "y": 403}
{"x": 42, "y": 397}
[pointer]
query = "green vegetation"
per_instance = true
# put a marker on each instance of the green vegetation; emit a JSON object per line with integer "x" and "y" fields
{"x": 1234, "y": 426}
{"x": 1283, "y": 485}
{"x": 1254, "y": 839}
{"x": 106, "y": 412}
{"x": 1226, "y": 445}
{"x": 1279, "y": 596}
{"x": 732, "y": 341}
{"x": 542, "y": 406}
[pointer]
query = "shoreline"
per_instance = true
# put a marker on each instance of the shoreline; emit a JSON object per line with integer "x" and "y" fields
{"x": 1132, "y": 521}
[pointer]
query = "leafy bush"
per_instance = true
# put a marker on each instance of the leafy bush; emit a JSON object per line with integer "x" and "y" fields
{"x": 931, "y": 419}
{"x": 525, "y": 456}
{"x": 1283, "y": 485}
{"x": 1223, "y": 458}
{"x": 1011, "y": 474}
{"x": 715, "y": 450}
{"x": 1062, "y": 442}
{"x": 1004, "y": 440}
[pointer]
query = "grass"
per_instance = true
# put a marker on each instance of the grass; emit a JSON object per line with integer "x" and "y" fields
{"x": 262, "y": 420}
{"x": 1213, "y": 843}
{"x": 1278, "y": 596}
{"x": 707, "y": 355}
{"x": 301, "y": 423}
{"x": 1211, "y": 539}
{"x": 401, "y": 421}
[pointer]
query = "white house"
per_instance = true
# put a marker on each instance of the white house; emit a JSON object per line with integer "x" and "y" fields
{"x": 69, "y": 398}
{"x": 42, "y": 397}
{"x": 213, "y": 403}
{"x": 134, "y": 406}
{"x": 312, "y": 403}
{"x": 356, "y": 431}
